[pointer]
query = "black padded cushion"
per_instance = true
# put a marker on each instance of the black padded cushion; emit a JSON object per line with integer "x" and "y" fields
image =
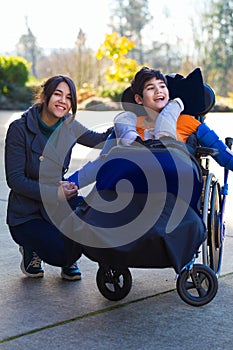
{"x": 198, "y": 98}
{"x": 190, "y": 90}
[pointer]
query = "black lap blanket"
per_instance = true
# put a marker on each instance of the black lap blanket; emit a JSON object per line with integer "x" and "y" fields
{"x": 133, "y": 218}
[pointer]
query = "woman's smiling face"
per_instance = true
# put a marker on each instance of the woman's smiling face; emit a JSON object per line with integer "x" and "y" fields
{"x": 60, "y": 101}
{"x": 58, "y": 106}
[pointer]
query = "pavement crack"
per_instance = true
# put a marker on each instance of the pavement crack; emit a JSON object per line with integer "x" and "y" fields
{"x": 90, "y": 314}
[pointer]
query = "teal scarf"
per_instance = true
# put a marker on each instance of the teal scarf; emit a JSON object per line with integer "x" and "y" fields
{"x": 46, "y": 130}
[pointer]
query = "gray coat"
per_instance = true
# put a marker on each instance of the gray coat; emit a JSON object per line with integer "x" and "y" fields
{"x": 35, "y": 166}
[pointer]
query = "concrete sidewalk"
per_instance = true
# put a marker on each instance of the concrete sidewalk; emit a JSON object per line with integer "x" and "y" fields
{"x": 50, "y": 313}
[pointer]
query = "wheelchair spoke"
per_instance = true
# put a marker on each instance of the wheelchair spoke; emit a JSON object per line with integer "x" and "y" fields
{"x": 189, "y": 285}
{"x": 201, "y": 292}
{"x": 201, "y": 277}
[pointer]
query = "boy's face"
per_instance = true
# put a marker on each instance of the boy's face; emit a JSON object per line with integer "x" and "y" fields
{"x": 155, "y": 95}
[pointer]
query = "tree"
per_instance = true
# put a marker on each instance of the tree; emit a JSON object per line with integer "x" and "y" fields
{"x": 217, "y": 45}
{"x": 80, "y": 57}
{"x": 79, "y": 62}
{"x": 129, "y": 17}
{"x": 116, "y": 48}
{"x": 27, "y": 48}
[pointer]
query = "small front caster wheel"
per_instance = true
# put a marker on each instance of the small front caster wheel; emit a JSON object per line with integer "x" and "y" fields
{"x": 197, "y": 286}
{"x": 114, "y": 283}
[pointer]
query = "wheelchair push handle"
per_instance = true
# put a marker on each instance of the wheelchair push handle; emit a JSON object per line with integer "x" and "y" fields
{"x": 229, "y": 142}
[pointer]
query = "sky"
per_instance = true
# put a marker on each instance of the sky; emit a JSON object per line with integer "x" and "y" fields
{"x": 56, "y": 23}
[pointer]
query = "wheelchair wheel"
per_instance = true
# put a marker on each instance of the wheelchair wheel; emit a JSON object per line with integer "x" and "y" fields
{"x": 212, "y": 247}
{"x": 198, "y": 286}
{"x": 114, "y": 283}
{"x": 214, "y": 243}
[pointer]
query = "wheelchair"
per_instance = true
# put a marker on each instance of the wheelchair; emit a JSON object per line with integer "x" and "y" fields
{"x": 196, "y": 283}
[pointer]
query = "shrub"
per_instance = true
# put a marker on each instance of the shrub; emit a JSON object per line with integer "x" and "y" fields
{"x": 113, "y": 91}
{"x": 14, "y": 72}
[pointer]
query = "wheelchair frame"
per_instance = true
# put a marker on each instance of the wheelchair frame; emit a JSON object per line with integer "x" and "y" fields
{"x": 212, "y": 209}
{"x": 213, "y": 198}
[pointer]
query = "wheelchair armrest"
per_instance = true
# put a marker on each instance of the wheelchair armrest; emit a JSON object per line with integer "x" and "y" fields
{"x": 206, "y": 151}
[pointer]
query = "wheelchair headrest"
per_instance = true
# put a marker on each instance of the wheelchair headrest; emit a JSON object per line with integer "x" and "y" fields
{"x": 209, "y": 99}
{"x": 198, "y": 97}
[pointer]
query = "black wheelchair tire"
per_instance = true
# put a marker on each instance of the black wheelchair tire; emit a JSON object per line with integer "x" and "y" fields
{"x": 198, "y": 286}
{"x": 214, "y": 243}
{"x": 114, "y": 283}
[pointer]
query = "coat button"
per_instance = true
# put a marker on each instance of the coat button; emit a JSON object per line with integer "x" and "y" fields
{"x": 41, "y": 158}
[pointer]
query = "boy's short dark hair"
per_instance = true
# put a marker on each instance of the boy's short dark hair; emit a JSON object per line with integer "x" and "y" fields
{"x": 143, "y": 76}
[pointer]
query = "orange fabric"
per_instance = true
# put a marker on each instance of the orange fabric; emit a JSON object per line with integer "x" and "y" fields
{"x": 186, "y": 125}
{"x": 140, "y": 127}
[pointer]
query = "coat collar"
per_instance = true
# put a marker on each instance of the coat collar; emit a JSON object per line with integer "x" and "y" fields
{"x": 40, "y": 144}
{"x": 30, "y": 116}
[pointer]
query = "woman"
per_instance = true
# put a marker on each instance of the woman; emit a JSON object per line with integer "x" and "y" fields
{"x": 43, "y": 138}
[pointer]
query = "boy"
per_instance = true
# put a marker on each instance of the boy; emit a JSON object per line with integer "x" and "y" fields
{"x": 151, "y": 115}
{"x": 149, "y": 88}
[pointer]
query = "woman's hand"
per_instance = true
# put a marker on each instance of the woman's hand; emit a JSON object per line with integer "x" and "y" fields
{"x": 67, "y": 190}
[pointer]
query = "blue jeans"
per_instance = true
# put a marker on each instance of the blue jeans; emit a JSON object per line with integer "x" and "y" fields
{"x": 47, "y": 241}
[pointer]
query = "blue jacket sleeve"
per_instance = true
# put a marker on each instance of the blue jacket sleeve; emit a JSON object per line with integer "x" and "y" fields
{"x": 73, "y": 178}
{"x": 87, "y": 174}
{"x": 208, "y": 138}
